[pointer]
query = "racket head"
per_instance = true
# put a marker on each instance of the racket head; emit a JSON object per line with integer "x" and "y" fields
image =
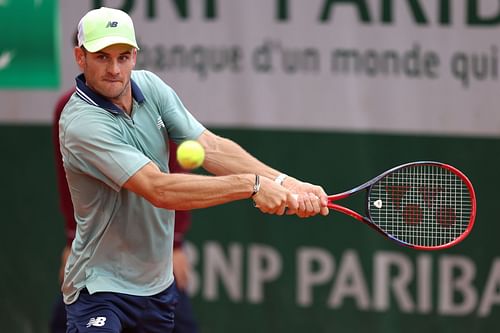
{"x": 424, "y": 205}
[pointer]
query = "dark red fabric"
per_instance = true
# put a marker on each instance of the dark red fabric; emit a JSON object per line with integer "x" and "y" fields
{"x": 65, "y": 204}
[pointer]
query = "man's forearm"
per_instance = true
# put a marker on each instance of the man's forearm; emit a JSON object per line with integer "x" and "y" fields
{"x": 188, "y": 191}
{"x": 225, "y": 157}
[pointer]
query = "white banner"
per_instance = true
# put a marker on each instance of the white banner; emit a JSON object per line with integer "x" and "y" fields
{"x": 428, "y": 67}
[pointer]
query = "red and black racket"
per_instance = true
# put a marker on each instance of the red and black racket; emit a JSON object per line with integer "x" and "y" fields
{"x": 423, "y": 205}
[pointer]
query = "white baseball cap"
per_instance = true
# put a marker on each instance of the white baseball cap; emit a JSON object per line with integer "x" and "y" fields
{"x": 102, "y": 27}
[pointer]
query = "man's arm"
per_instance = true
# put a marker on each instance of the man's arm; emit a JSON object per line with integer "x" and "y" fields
{"x": 190, "y": 191}
{"x": 224, "y": 156}
{"x": 235, "y": 170}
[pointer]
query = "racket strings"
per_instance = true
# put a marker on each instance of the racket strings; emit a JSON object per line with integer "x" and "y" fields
{"x": 423, "y": 205}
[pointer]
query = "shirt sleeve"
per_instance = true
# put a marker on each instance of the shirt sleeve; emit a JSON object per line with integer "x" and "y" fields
{"x": 95, "y": 146}
{"x": 180, "y": 123}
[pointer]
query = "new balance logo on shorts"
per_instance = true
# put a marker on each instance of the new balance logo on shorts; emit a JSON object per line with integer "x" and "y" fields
{"x": 97, "y": 322}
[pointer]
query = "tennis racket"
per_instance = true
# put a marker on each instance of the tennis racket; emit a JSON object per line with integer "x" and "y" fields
{"x": 422, "y": 205}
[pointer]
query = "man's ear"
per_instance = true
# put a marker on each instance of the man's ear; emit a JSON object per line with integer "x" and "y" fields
{"x": 134, "y": 56}
{"x": 79, "y": 57}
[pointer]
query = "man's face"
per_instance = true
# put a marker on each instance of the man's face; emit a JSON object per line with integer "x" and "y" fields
{"x": 108, "y": 71}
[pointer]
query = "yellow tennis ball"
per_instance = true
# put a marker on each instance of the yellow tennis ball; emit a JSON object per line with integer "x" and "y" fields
{"x": 190, "y": 154}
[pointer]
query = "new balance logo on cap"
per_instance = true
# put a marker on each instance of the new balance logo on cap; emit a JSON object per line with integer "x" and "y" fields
{"x": 112, "y": 24}
{"x": 102, "y": 27}
{"x": 97, "y": 322}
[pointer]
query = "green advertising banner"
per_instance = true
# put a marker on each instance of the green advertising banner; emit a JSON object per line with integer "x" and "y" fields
{"x": 261, "y": 273}
{"x": 29, "y": 50}
{"x": 253, "y": 272}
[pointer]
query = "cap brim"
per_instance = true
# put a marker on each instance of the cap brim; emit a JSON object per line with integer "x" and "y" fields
{"x": 101, "y": 43}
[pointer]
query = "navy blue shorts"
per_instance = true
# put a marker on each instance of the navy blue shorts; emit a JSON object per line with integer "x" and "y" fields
{"x": 114, "y": 312}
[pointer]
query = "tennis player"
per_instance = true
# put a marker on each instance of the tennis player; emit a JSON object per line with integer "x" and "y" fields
{"x": 114, "y": 134}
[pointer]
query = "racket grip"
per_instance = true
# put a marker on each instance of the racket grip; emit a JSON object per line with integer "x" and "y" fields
{"x": 294, "y": 195}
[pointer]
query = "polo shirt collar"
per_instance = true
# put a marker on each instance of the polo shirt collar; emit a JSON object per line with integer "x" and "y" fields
{"x": 96, "y": 99}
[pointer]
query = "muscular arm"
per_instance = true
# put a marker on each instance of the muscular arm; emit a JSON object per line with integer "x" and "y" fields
{"x": 224, "y": 157}
{"x": 188, "y": 191}
{"x": 235, "y": 171}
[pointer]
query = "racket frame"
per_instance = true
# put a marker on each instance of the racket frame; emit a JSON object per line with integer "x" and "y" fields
{"x": 368, "y": 221}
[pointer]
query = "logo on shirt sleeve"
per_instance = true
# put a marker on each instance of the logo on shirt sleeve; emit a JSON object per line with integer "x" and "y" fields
{"x": 159, "y": 123}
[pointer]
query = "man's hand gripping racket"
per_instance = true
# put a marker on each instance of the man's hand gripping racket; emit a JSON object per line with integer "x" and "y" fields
{"x": 423, "y": 205}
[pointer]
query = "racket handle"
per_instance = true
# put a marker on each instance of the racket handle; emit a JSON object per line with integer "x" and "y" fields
{"x": 294, "y": 195}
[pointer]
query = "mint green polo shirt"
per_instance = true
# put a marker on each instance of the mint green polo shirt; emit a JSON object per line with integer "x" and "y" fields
{"x": 123, "y": 243}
